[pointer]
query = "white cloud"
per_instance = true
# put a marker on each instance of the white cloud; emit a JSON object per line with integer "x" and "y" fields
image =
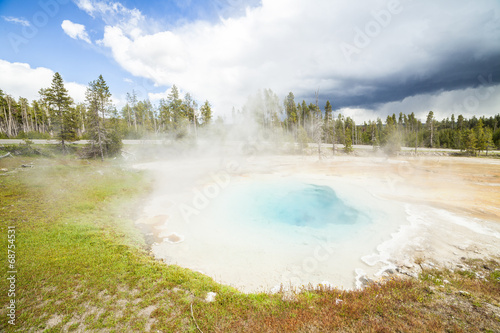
{"x": 131, "y": 21}
{"x": 16, "y": 20}
{"x": 76, "y": 91}
{"x": 156, "y": 97}
{"x": 20, "y": 80}
{"x": 483, "y": 100}
{"x": 297, "y": 46}
{"x": 87, "y": 6}
{"x": 75, "y": 31}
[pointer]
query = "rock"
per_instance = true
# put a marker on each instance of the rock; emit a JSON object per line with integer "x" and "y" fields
{"x": 463, "y": 293}
{"x": 172, "y": 238}
{"x": 365, "y": 281}
{"x": 446, "y": 281}
{"x": 210, "y": 297}
{"x": 407, "y": 272}
{"x": 4, "y": 169}
{"x": 430, "y": 289}
{"x": 408, "y": 265}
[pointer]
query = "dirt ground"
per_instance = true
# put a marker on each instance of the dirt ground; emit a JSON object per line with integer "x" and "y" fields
{"x": 466, "y": 185}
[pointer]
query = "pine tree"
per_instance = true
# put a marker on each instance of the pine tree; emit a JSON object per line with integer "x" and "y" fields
{"x": 291, "y": 111}
{"x": 488, "y": 133}
{"x": 189, "y": 107}
{"x": 328, "y": 112}
{"x": 206, "y": 113}
{"x": 430, "y": 125}
{"x": 348, "y": 140}
{"x": 469, "y": 141}
{"x": 480, "y": 136}
{"x": 174, "y": 103}
{"x": 165, "y": 115}
{"x": 98, "y": 100}
{"x": 59, "y": 104}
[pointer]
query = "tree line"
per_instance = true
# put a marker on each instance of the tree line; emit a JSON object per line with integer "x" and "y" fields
{"x": 55, "y": 115}
{"x": 311, "y": 123}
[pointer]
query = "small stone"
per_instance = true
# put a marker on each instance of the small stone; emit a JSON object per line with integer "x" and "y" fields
{"x": 365, "y": 281}
{"x": 4, "y": 169}
{"x": 210, "y": 297}
{"x": 464, "y": 293}
{"x": 446, "y": 281}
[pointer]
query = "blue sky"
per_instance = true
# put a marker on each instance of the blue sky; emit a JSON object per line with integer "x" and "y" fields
{"x": 369, "y": 58}
{"x": 43, "y": 43}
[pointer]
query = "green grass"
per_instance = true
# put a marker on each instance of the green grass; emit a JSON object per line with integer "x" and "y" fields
{"x": 83, "y": 266}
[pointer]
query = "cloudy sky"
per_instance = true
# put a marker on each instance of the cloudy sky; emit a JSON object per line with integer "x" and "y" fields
{"x": 369, "y": 58}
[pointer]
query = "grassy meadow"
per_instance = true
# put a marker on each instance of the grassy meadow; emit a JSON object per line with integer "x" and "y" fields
{"x": 82, "y": 266}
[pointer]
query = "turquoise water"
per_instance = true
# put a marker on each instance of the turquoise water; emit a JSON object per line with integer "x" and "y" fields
{"x": 293, "y": 204}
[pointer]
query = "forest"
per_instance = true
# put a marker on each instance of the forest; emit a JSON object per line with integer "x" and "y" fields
{"x": 55, "y": 116}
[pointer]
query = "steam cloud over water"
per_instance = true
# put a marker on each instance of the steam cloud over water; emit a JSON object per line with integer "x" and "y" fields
{"x": 258, "y": 222}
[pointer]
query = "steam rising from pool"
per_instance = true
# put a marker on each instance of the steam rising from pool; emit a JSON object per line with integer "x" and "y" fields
{"x": 273, "y": 222}
{"x": 264, "y": 230}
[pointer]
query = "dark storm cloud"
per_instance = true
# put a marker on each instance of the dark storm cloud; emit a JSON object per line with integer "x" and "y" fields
{"x": 358, "y": 53}
{"x": 455, "y": 74}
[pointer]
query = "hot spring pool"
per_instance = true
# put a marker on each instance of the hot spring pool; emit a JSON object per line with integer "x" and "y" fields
{"x": 263, "y": 231}
{"x": 291, "y": 203}
{"x": 293, "y": 222}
